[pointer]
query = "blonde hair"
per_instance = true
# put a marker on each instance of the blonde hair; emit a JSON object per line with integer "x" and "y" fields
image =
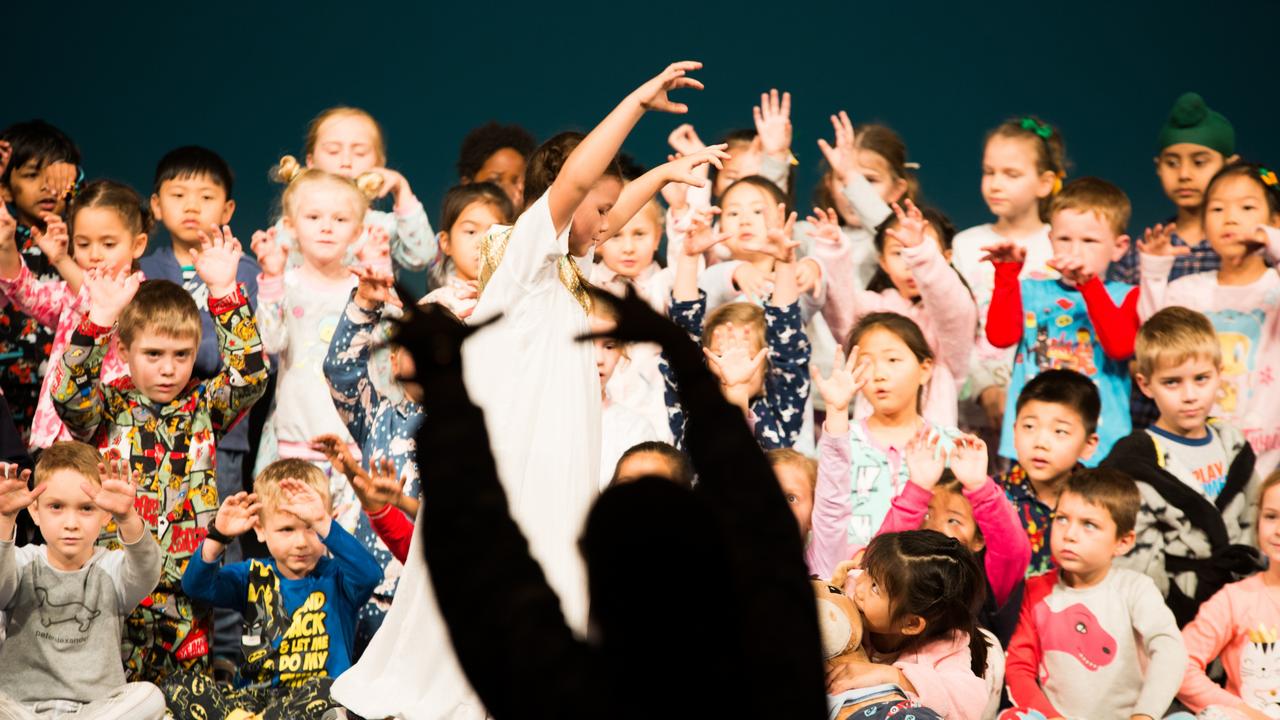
{"x": 77, "y": 457}
{"x": 295, "y": 176}
{"x": 267, "y": 484}
{"x": 1091, "y": 194}
{"x": 313, "y": 129}
{"x": 790, "y": 456}
{"x": 162, "y": 307}
{"x": 1173, "y": 336}
{"x": 1272, "y": 480}
{"x": 737, "y": 313}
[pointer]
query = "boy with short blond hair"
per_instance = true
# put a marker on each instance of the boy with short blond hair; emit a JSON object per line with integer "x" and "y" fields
{"x": 1118, "y": 652}
{"x": 165, "y": 424}
{"x": 1079, "y": 322}
{"x": 66, "y": 602}
{"x": 1195, "y": 473}
{"x": 299, "y": 606}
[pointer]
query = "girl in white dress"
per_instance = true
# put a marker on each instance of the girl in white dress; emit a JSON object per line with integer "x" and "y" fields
{"x": 540, "y": 392}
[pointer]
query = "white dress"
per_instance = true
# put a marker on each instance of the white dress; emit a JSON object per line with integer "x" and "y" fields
{"x": 409, "y": 670}
{"x": 541, "y": 396}
{"x": 540, "y": 393}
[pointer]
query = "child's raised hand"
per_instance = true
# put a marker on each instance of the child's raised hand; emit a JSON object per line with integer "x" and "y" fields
{"x": 843, "y": 157}
{"x": 653, "y": 94}
{"x": 53, "y": 240}
{"x": 337, "y": 453}
{"x": 824, "y": 226}
{"x": 238, "y": 514}
{"x": 1159, "y": 241}
{"x": 847, "y": 378}
{"x": 1006, "y": 251}
{"x": 701, "y": 235}
{"x": 752, "y": 282}
{"x": 217, "y": 260}
{"x": 118, "y": 490}
{"x": 773, "y": 123}
{"x": 1072, "y": 269}
{"x": 393, "y": 182}
{"x": 808, "y": 273}
{"x": 109, "y": 293}
{"x": 59, "y": 177}
{"x": 375, "y": 252}
{"x": 911, "y": 225}
{"x": 381, "y": 488}
{"x": 925, "y": 462}
{"x": 685, "y": 169}
{"x": 14, "y": 493}
{"x": 779, "y": 242}
{"x": 271, "y": 254}
{"x": 735, "y": 364}
{"x": 969, "y": 461}
{"x": 8, "y": 229}
{"x": 684, "y": 140}
{"x": 302, "y": 501}
{"x": 375, "y": 288}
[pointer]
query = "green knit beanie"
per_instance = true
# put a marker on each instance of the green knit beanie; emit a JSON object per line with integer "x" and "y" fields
{"x": 1191, "y": 121}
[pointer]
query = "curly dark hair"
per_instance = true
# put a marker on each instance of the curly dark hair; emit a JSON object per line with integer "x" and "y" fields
{"x": 484, "y": 141}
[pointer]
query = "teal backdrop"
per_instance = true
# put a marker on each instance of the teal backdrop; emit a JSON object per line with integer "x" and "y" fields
{"x": 131, "y": 80}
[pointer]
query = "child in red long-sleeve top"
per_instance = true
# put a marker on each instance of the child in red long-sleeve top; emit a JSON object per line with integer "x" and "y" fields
{"x": 1078, "y": 322}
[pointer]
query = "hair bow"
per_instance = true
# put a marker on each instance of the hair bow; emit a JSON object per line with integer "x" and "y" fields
{"x": 1268, "y": 177}
{"x": 1037, "y": 127}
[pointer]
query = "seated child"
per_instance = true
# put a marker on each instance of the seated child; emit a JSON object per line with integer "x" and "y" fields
{"x": 110, "y": 229}
{"x": 620, "y": 426}
{"x": 383, "y": 425}
{"x": 953, "y": 495}
{"x": 1073, "y": 322}
{"x": 1094, "y": 641}
{"x": 1199, "y": 490}
{"x": 494, "y": 153}
{"x": 917, "y": 592}
{"x": 469, "y": 211}
{"x": 166, "y": 424}
{"x": 40, "y": 173}
{"x": 1239, "y": 625}
{"x": 797, "y": 476}
{"x": 861, "y": 466}
{"x": 653, "y": 458}
{"x": 299, "y": 606}
{"x": 737, "y": 338}
{"x": 1242, "y": 210}
{"x": 66, "y": 602}
{"x": 916, "y": 280}
{"x": 1054, "y": 429}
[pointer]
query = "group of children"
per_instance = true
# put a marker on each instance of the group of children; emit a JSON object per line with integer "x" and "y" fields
{"x": 1121, "y": 537}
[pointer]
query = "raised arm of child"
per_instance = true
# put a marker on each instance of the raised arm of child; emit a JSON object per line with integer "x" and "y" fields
{"x": 78, "y": 393}
{"x": 588, "y": 162}
{"x": 832, "y": 513}
{"x": 949, "y": 303}
{"x": 43, "y": 300}
{"x": 1156, "y": 257}
{"x": 925, "y": 464}
{"x": 270, "y": 313}
{"x": 773, "y": 136}
{"x": 780, "y": 415}
{"x": 140, "y": 561}
{"x": 684, "y": 170}
{"x": 380, "y": 492}
{"x": 346, "y": 364}
{"x": 1007, "y": 550}
{"x": 1115, "y": 326}
{"x": 15, "y": 496}
{"x": 843, "y": 159}
{"x": 1004, "y": 317}
{"x": 243, "y": 378}
{"x": 208, "y": 581}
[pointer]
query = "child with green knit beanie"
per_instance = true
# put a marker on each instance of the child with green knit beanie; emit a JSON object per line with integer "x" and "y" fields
{"x": 1194, "y": 143}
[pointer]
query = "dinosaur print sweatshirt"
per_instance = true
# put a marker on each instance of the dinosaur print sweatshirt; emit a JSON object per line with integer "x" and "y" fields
{"x": 1076, "y": 651}
{"x": 64, "y": 627}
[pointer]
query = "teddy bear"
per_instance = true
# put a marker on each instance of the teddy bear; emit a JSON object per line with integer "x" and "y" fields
{"x": 840, "y": 627}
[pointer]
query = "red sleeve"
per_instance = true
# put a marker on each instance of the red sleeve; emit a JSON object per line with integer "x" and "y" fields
{"x": 395, "y": 529}
{"x": 1116, "y": 327}
{"x": 1022, "y": 659}
{"x": 1004, "y": 317}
